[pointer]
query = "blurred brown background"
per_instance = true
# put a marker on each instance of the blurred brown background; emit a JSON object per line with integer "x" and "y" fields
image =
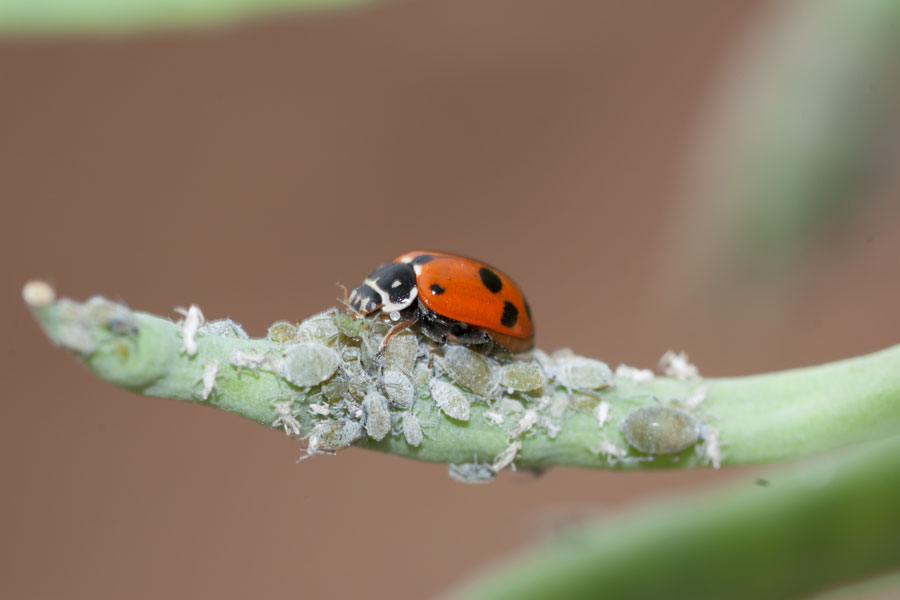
{"x": 248, "y": 170}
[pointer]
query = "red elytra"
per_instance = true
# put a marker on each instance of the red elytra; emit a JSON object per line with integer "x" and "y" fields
{"x": 454, "y": 298}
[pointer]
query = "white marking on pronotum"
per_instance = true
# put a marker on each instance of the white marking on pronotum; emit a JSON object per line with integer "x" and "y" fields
{"x": 208, "y": 378}
{"x": 389, "y": 306}
{"x": 193, "y": 319}
{"x": 678, "y": 365}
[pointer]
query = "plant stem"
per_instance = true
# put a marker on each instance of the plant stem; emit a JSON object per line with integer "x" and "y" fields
{"x": 758, "y": 419}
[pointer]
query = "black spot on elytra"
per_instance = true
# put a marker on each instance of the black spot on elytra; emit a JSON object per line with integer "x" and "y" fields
{"x": 510, "y": 315}
{"x": 421, "y": 259}
{"x": 436, "y": 289}
{"x": 490, "y": 280}
{"x": 527, "y": 309}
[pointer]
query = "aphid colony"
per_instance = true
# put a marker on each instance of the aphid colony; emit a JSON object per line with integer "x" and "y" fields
{"x": 350, "y": 389}
{"x": 352, "y": 377}
{"x": 364, "y": 374}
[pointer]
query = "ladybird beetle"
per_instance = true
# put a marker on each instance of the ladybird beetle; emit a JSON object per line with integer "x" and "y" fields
{"x": 453, "y": 298}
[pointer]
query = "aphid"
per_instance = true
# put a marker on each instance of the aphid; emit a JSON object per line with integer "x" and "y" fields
{"x": 378, "y": 419}
{"x": 528, "y": 420}
{"x": 401, "y": 352}
{"x": 678, "y": 366}
{"x": 398, "y": 388}
{"x": 331, "y": 436}
{"x": 193, "y": 319}
{"x": 412, "y": 429}
{"x": 453, "y": 299}
{"x": 348, "y": 324}
{"x": 610, "y": 451}
{"x": 334, "y": 391}
{"x": 633, "y": 373}
{"x": 208, "y": 378}
{"x": 581, "y": 373}
{"x": 286, "y": 417}
{"x": 710, "y": 448}
{"x": 320, "y": 409}
{"x": 494, "y": 417}
{"x": 225, "y": 328}
{"x": 559, "y": 404}
{"x": 471, "y": 473}
{"x": 453, "y": 402}
{"x": 659, "y": 429}
{"x": 307, "y": 363}
{"x": 522, "y": 376}
{"x": 281, "y": 332}
{"x": 318, "y": 328}
{"x": 248, "y": 360}
{"x": 505, "y": 458}
{"x": 470, "y": 370}
{"x": 601, "y": 412}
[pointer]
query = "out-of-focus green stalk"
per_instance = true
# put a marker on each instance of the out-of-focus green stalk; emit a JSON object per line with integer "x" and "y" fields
{"x": 51, "y": 17}
{"x": 792, "y": 140}
{"x": 812, "y": 527}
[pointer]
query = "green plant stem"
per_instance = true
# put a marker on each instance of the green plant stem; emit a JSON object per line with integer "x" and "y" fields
{"x": 811, "y": 528}
{"x": 877, "y": 588}
{"x": 47, "y": 17}
{"x": 763, "y": 418}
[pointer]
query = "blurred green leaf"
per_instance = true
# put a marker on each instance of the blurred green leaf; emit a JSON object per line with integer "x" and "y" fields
{"x": 794, "y": 140}
{"x": 48, "y": 17}
{"x": 811, "y": 527}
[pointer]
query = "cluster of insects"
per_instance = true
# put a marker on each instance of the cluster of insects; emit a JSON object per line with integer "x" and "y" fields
{"x": 425, "y": 336}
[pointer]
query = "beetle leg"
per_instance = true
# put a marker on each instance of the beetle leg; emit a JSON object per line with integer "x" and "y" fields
{"x": 406, "y": 324}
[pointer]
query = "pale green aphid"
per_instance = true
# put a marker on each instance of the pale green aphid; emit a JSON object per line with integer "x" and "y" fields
{"x": 470, "y": 370}
{"x": 659, "y": 429}
{"x": 307, "y": 363}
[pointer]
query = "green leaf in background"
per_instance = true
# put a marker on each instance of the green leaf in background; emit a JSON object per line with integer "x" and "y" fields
{"x": 52, "y": 17}
{"x": 814, "y": 526}
{"x": 791, "y": 145}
